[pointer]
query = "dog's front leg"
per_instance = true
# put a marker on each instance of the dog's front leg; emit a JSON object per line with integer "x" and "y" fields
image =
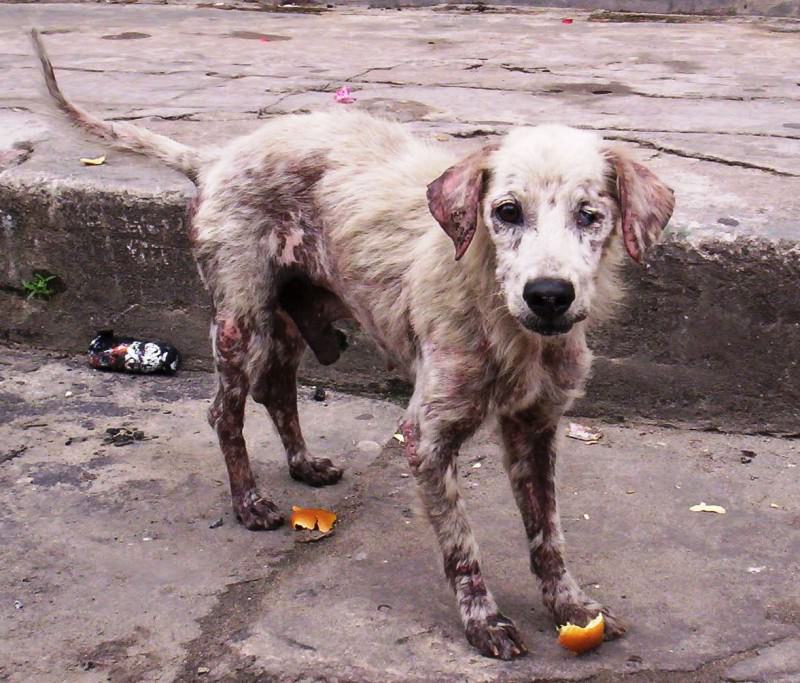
{"x": 529, "y": 438}
{"x": 432, "y": 446}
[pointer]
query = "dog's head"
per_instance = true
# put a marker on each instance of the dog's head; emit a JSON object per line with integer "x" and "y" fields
{"x": 552, "y": 200}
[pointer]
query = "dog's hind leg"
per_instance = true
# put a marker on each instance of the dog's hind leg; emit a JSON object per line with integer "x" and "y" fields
{"x": 275, "y": 387}
{"x": 231, "y": 339}
{"x": 529, "y": 438}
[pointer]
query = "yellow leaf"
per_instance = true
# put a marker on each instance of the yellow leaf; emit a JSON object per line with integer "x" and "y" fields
{"x": 399, "y": 437}
{"x": 93, "y": 162}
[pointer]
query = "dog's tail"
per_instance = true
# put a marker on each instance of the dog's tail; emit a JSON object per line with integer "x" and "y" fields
{"x": 121, "y": 135}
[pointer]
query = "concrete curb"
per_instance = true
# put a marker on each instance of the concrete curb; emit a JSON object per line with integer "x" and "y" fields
{"x": 708, "y": 334}
{"x": 711, "y": 8}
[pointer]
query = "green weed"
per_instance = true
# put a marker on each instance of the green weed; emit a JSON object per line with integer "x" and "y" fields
{"x": 39, "y": 286}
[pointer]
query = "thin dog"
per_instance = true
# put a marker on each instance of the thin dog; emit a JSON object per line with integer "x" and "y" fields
{"x": 478, "y": 276}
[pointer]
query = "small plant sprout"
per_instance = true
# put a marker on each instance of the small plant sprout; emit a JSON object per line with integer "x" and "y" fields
{"x": 39, "y": 286}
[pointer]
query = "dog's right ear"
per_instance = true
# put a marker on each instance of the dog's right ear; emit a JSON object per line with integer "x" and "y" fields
{"x": 454, "y": 198}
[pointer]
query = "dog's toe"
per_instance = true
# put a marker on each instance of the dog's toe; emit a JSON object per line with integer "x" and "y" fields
{"x": 614, "y": 626}
{"x": 315, "y": 471}
{"x": 496, "y": 636}
{"x": 257, "y": 513}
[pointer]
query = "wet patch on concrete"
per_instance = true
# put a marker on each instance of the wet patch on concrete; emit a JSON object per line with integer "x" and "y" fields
{"x": 589, "y": 88}
{"x": 253, "y": 35}
{"x": 115, "y": 657}
{"x": 122, "y": 497}
{"x": 683, "y": 66}
{"x": 12, "y": 454}
{"x": 102, "y": 408}
{"x": 48, "y": 475}
{"x": 400, "y": 110}
{"x": 605, "y": 16}
{"x": 126, "y": 35}
{"x": 169, "y": 389}
{"x": 785, "y": 612}
{"x": 15, "y": 156}
{"x": 10, "y": 406}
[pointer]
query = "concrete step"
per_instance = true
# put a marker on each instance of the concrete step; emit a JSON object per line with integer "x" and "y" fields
{"x": 709, "y": 333}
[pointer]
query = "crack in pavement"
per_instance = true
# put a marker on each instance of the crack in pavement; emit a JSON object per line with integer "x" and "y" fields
{"x": 259, "y": 113}
{"x": 675, "y": 151}
{"x": 540, "y": 92}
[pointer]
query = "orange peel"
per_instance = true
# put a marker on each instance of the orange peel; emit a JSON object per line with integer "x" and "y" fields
{"x": 311, "y": 518}
{"x": 580, "y": 639}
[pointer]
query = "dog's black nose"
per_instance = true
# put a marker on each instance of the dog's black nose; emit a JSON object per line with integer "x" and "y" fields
{"x": 548, "y": 297}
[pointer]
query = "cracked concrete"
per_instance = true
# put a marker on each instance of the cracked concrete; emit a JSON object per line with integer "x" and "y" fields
{"x": 710, "y": 104}
{"x": 110, "y": 553}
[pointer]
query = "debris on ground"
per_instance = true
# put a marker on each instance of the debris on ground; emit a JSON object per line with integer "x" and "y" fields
{"x": 580, "y": 639}
{"x": 702, "y": 507}
{"x": 18, "y": 604}
{"x": 216, "y": 524}
{"x": 344, "y": 95}
{"x": 747, "y": 456}
{"x": 122, "y": 436}
{"x": 95, "y": 161}
{"x": 583, "y": 433}
{"x": 202, "y": 670}
{"x": 13, "y": 453}
{"x": 319, "y": 394}
{"x": 756, "y": 570}
{"x": 126, "y": 354}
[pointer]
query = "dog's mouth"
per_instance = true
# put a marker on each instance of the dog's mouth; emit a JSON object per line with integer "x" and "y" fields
{"x": 550, "y": 327}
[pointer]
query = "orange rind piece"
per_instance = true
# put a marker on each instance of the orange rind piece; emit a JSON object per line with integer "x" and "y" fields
{"x": 311, "y": 518}
{"x": 580, "y": 639}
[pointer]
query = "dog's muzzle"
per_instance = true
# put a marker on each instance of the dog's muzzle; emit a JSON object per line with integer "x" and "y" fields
{"x": 549, "y": 299}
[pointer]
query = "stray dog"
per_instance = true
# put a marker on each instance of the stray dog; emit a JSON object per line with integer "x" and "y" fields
{"x": 320, "y": 217}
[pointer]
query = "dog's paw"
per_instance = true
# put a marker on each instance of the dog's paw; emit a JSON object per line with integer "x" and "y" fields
{"x": 581, "y": 614}
{"x": 257, "y": 513}
{"x": 615, "y": 627}
{"x": 315, "y": 471}
{"x": 496, "y": 636}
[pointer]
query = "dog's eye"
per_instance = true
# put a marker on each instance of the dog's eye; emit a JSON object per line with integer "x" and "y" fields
{"x": 509, "y": 212}
{"x": 587, "y": 217}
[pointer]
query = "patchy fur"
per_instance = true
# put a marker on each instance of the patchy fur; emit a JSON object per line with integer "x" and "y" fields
{"x": 314, "y": 218}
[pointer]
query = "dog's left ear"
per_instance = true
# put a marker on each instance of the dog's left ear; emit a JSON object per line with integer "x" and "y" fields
{"x": 645, "y": 202}
{"x": 454, "y": 198}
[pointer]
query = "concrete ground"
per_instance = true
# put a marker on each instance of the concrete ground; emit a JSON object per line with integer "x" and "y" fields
{"x": 110, "y": 568}
{"x": 112, "y": 572}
